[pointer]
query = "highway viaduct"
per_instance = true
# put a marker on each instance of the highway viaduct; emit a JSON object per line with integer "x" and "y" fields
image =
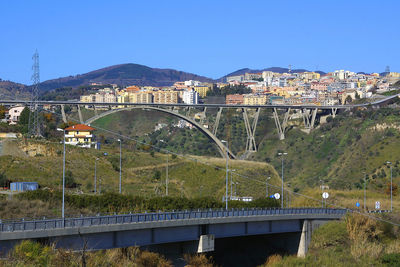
{"x": 189, "y": 231}
{"x": 280, "y": 113}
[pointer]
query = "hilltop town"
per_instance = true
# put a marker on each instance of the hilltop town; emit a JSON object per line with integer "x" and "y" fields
{"x": 264, "y": 88}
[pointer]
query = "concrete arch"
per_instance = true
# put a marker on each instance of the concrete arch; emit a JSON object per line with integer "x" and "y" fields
{"x": 205, "y": 131}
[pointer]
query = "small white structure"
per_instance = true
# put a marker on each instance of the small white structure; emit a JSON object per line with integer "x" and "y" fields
{"x": 14, "y": 114}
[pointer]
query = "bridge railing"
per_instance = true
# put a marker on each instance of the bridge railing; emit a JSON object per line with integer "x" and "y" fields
{"x": 154, "y": 217}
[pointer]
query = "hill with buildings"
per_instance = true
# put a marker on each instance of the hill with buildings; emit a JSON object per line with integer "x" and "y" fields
{"x": 124, "y": 74}
{"x": 273, "y": 69}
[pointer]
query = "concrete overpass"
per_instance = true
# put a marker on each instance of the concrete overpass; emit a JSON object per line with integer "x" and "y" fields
{"x": 200, "y": 228}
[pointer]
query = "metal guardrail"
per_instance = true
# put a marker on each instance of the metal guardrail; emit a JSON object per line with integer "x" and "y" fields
{"x": 154, "y": 217}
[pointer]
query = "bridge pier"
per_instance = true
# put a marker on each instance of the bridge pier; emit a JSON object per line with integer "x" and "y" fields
{"x": 309, "y": 118}
{"x": 309, "y": 226}
{"x": 250, "y": 130}
{"x": 281, "y": 127}
{"x": 217, "y": 119}
{"x": 64, "y": 117}
{"x": 80, "y": 114}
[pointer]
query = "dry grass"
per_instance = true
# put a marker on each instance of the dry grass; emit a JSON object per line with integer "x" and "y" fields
{"x": 198, "y": 260}
{"x": 273, "y": 259}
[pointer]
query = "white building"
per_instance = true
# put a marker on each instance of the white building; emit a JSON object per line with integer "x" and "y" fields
{"x": 192, "y": 83}
{"x": 190, "y": 97}
{"x": 238, "y": 78}
{"x": 14, "y": 114}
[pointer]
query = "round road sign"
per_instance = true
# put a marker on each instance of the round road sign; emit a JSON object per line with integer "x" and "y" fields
{"x": 357, "y": 204}
{"x": 325, "y": 194}
{"x": 277, "y": 195}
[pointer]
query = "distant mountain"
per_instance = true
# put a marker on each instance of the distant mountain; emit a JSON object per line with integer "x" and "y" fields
{"x": 273, "y": 69}
{"x": 124, "y": 74}
{"x": 12, "y": 90}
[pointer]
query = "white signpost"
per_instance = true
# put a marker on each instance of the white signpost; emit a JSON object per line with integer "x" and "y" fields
{"x": 377, "y": 205}
{"x": 277, "y": 196}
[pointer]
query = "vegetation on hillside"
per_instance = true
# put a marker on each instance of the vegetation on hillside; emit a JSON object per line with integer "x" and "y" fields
{"x": 230, "y": 89}
{"x": 356, "y": 241}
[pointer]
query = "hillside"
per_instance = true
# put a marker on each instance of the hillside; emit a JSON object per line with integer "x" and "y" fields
{"x": 12, "y": 90}
{"x": 124, "y": 74}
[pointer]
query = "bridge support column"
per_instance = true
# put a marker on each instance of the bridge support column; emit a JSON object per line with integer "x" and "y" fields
{"x": 206, "y": 243}
{"x": 80, "y": 114}
{"x": 251, "y": 142}
{"x": 309, "y": 226}
{"x": 334, "y": 111}
{"x": 309, "y": 118}
{"x": 281, "y": 127}
{"x": 217, "y": 121}
{"x": 64, "y": 117}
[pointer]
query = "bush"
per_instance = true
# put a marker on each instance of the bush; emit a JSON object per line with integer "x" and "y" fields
{"x": 392, "y": 259}
{"x": 330, "y": 234}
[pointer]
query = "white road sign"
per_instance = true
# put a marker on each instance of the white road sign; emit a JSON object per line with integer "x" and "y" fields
{"x": 325, "y": 194}
{"x": 277, "y": 196}
{"x": 377, "y": 205}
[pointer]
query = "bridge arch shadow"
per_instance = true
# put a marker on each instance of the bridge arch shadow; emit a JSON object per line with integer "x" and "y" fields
{"x": 221, "y": 147}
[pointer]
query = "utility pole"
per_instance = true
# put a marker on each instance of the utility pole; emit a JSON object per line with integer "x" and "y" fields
{"x": 227, "y": 170}
{"x": 166, "y": 179}
{"x": 391, "y": 186}
{"x": 365, "y": 192}
{"x": 266, "y": 186}
{"x": 120, "y": 164}
{"x": 63, "y": 178}
{"x": 282, "y": 154}
{"x": 95, "y": 175}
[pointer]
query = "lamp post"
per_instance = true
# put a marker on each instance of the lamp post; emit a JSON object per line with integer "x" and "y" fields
{"x": 120, "y": 164}
{"x": 233, "y": 170}
{"x": 391, "y": 186}
{"x": 63, "y": 188}
{"x": 166, "y": 177}
{"x": 266, "y": 186}
{"x": 365, "y": 191}
{"x": 322, "y": 191}
{"x": 226, "y": 180}
{"x": 282, "y": 154}
{"x": 236, "y": 183}
{"x": 95, "y": 175}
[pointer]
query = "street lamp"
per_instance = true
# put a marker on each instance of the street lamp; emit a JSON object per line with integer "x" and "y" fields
{"x": 95, "y": 175}
{"x": 233, "y": 170}
{"x": 365, "y": 191}
{"x": 282, "y": 154}
{"x": 226, "y": 180}
{"x": 322, "y": 191}
{"x": 63, "y": 188}
{"x": 120, "y": 164}
{"x": 266, "y": 186}
{"x": 391, "y": 186}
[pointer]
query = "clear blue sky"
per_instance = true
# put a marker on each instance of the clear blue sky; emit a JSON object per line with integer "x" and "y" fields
{"x": 210, "y": 38}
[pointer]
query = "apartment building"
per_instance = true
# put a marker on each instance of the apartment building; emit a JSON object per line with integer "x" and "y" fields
{"x": 190, "y": 97}
{"x": 251, "y": 99}
{"x": 202, "y": 90}
{"x": 165, "y": 97}
{"x": 79, "y": 135}
{"x": 141, "y": 97}
{"x": 235, "y": 99}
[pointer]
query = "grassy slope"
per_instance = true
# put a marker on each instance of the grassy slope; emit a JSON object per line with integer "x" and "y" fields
{"x": 188, "y": 177}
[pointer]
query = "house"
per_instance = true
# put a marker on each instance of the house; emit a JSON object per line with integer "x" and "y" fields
{"x": 14, "y": 114}
{"x": 79, "y": 135}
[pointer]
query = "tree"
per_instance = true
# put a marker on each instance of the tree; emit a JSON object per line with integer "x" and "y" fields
{"x": 157, "y": 175}
{"x": 2, "y": 112}
{"x": 24, "y": 117}
{"x": 69, "y": 180}
{"x": 348, "y": 100}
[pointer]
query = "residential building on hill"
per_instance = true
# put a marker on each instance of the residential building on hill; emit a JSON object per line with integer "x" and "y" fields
{"x": 165, "y": 97}
{"x": 251, "y": 99}
{"x": 13, "y": 115}
{"x": 235, "y": 99}
{"x": 190, "y": 97}
{"x": 79, "y": 135}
